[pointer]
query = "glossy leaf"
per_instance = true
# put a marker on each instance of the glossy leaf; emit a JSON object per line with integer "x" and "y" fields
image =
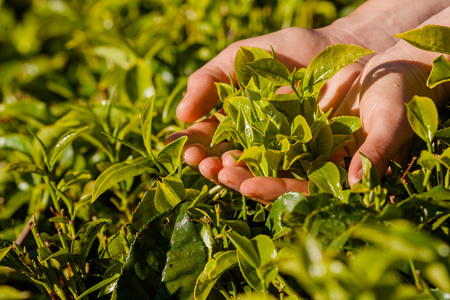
{"x": 243, "y": 56}
{"x": 284, "y": 204}
{"x": 170, "y": 155}
{"x": 271, "y": 69}
{"x": 300, "y": 129}
{"x": 214, "y": 269}
{"x": 429, "y": 37}
{"x": 423, "y": 117}
{"x": 245, "y": 248}
{"x": 185, "y": 260}
{"x": 82, "y": 243}
{"x": 169, "y": 193}
{"x": 146, "y": 123}
{"x": 329, "y": 62}
{"x": 327, "y": 177}
{"x": 117, "y": 173}
{"x": 440, "y": 72}
{"x": 65, "y": 141}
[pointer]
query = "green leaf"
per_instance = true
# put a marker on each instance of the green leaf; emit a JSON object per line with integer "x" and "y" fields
{"x": 224, "y": 90}
{"x": 15, "y": 141}
{"x": 283, "y": 204}
{"x": 423, "y": 117}
{"x": 345, "y": 125}
{"x": 146, "y": 123}
{"x": 428, "y": 160}
{"x": 370, "y": 177}
{"x": 81, "y": 245}
{"x": 171, "y": 103}
{"x": 185, "y": 260}
{"x": 99, "y": 285}
{"x": 169, "y": 193}
{"x": 440, "y": 72}
{"x": 329, "y": 62}
{"x": 62, "y": 144}
{"x": 117, "y": 173}
{"x": 245, "y": 55}
{"x": 300, "y": 129}
{"x": 430, "y": 37}
{"x": 322, "y": 141}
{"x": 170, "y": 155}
{"x": 24, "y": 167}
{"x": 271, "y": 69}
{"x": 245, "y": 248}
{"x": 327, "y": 177}
{"x": 214, "y": 269}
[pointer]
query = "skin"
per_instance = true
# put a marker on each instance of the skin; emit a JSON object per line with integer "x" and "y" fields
{"x": 375, "y": 89}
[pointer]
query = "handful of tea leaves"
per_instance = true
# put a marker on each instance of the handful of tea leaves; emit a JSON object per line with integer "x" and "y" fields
{"x": 286, "y": 132}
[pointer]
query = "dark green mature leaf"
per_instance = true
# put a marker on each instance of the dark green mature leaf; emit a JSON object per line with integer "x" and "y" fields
{"x": 329, "y": 62}
{"x": 271, "y": 69}
{"x": 10, "y": 258}
{"x": 146, "y": 123}
{"x": 303, "y": 208}
{"x": 440, "y": 72}
{"x": 185, "y": 260}
{"x": 284, "y": 204}
{"x": 100, "y": 285}
{"x": 214, "y": 269}
{"x": 437, "y": 196}
{"x": 423, "y": 117}
{"x": 84, "y": 239}
{"x": 117, "y": 173}
{"x": 170, "y": 155}
{"x": 141, "y": 272}
{"x": 430, "y": 37}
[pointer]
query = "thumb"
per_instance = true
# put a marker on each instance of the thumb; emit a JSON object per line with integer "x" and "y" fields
{"x": 201, "y": 95}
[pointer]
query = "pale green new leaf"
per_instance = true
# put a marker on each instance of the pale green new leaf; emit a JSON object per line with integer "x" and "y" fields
{"x": 430, "y": 37}
{"x": 329, "y": 62}
{"x": 245, "y": 55}
{"x": 23, "y": 167}
{"x": 300, "y": 129}
{"x": 440, "y": 72}
{"x": 423, "y": 117}
{"x": 169, "y": 193}
{"x": 271, "y": 69}
{"x": 170, "y": 155}
{"x": 428, "y": 160}
{"x": 62, "y": 144}
{"x": 246, "y": 248}
{"x": 117, "y": 173}
{"x": 327, "y": 177}
{"x": 215, "y": 268}
{"x": 344, "y": 125}
{"x": 146, "y": 123}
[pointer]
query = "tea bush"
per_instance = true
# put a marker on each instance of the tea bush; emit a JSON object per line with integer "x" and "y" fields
{"x": 94, "y": 205}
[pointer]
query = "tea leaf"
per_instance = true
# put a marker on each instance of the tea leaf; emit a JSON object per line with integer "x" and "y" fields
{"x": 117, "y": 173}
{"x": 329, "y": 62}
{"x": 24, "y": 167}
{"x": 430, "y": 37}
{"x": 245, "y": 248}
{"x": 423, "y": 117}
{"x": 245, "y": 55}
{"x": 99, "y": 285}
{"x": 428, "y": 160}
{"x": 146, "y": 123}
{"x": 185, "y": 259}
{"x": 62, "y": 144}
{"x": 215, "y": 268}
{"x": 169, "y": 193}
{"x": 170, "y": 155}
{"x": 440, "y": 72}
{"x": 345, "y": 125}
{"x": 327, "y": 177}
{"x": 81, "y": 245}
{"x": 300, "y": 129}
{"x": 271, "y": 69}
{"x": 284, "y": 204}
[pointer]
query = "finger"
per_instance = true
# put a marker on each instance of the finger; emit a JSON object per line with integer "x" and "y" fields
{"x": 228, "y": 159}
{"x": 233, "y": 177}
{"x": 201, "y": 95}
{"x": 210, "y": 168}
{"x": 267, "y": 189}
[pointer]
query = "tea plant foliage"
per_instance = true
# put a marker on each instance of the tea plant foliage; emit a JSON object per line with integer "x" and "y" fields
{"x": 95, "y": 205}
